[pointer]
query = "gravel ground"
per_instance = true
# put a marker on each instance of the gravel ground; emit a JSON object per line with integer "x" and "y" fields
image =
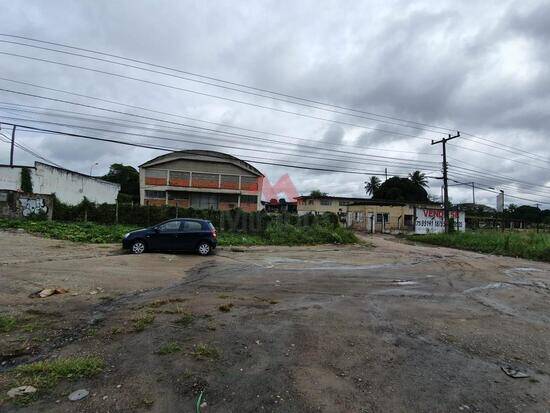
{"x": 392, "y": 327}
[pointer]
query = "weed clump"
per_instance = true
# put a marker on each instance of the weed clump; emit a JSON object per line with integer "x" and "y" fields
{"x": 46, "y": 374}
{"x": 169, "y": 348}
{"x": 7, "y": 323}
{"x": 225, "y": 308}
{"x": 186, "y": 320}
{"x": 143, "y": 320}
{"x": 205, "y": 352}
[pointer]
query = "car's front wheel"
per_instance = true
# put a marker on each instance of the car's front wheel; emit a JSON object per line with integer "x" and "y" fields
{"x": 204, "y": 248}
{"x": 138, "y": 247}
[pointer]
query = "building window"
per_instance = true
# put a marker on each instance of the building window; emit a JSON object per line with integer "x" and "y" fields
{"x": 177, "y": 195}
{"x": 326, "y": 202}
{"x": 310, "y": 202}
{"x": 409, "y": 220}
{"x": 249, "y": 183}
{"x": 178, "y": 178}
{"x": 155, "y": 177}
{"x": 229, "y": 182}
{"x": 249, "y": 199}
{"x": 204, "y": 201}
{"x": 155, "y": 194}
{"x": 201, "y": 180}
{"x": 343, "y": 203}
{"x": 382, "y": 218}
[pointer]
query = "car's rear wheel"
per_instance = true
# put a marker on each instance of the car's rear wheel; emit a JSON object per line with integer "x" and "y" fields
{"x": 204, "y": 248}
{"x": 138, "y": 247}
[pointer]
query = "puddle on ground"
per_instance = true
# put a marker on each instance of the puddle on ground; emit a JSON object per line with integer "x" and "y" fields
{"x": 404, "y": 282}
{"x": 486, "y": 287}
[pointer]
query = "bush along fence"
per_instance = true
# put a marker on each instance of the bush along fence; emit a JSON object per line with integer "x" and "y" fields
{"x": 235, "y": 220}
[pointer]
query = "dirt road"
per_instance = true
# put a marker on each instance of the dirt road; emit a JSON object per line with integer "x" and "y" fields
{"x": 388, "y": 328}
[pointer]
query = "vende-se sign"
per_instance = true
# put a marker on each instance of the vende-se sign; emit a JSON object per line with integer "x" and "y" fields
{"x": 433, "y": 220}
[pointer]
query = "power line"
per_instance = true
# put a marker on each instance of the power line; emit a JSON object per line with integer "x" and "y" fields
{"x": 213, "y": 78}
{"x": 150, "y": 82}
{"x": 115, "y": 111}
{"x": 198, "y": 120}
{"x": 167, "y": 149}
{"x": 423, "y": 164}
{"x": 501, "y": 146}
{"x": 28, "y": 150}
{"x": 253, "y": 149}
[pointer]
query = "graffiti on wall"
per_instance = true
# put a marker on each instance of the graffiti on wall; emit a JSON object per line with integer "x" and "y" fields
{"x": 33, "y": 206}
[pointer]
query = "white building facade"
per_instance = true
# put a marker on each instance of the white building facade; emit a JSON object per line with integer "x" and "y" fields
{"x": 69, "y": 187}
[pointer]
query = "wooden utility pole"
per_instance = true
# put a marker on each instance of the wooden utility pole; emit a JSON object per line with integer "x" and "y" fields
{"x": 445, "y": 179}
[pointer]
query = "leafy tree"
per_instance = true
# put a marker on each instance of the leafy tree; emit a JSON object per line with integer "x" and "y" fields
{"x": 317, "y": 193}
{"x": 419, "y": 178}
{"x": 372, "y": 185}
{"x": 400, "y": 189}
{"x": 26, "y": 180}
{"x": 128, "y": 178}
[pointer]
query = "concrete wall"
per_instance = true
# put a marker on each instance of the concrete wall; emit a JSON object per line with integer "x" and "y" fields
{"x": 15, "y": 204}
{"x": 69, "y": 187}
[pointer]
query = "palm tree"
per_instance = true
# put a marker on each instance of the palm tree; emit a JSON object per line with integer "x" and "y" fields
{"x": 419, "y": 179}
{"x": 372, "y": 185}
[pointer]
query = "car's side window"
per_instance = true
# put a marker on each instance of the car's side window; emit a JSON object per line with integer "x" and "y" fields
{"x": 170, "y": 226}
{"x": 192, "y": 226}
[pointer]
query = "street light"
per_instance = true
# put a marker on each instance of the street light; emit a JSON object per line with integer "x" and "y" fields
{"x": 92, "y": 167}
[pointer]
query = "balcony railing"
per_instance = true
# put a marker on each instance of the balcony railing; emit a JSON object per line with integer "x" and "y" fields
{"x": 157, "y": 177}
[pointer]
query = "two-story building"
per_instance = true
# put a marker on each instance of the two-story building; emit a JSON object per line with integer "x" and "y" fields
{"x": 202, "y": 180}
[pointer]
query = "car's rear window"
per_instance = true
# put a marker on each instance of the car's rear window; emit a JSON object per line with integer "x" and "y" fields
{"x": 192, "y": 226}
{"x": 211, "y": 226}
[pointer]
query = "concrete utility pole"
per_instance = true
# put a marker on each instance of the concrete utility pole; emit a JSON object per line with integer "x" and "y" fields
{"x": 12, "y": 145}
{"x": 445, "y": 179}
{"x": 474, "y": 193}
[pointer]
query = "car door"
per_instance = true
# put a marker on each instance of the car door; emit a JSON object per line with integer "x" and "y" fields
{"x": 192, "y": 234}
{"x": 166, "y": 236}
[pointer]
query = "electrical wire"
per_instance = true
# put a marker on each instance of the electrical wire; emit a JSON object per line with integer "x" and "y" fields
{"x": 150, "y": 82}
{"x": 218, "y": 80}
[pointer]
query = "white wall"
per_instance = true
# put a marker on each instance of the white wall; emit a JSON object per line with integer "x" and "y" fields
{"x": 10, "y": 178}
{"x": 69, "y": 187}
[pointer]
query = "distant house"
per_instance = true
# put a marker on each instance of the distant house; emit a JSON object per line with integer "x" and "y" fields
{"x": 201, "y": 180}
{"x": 68, "y": 186}
{"x": 324, "y": 203}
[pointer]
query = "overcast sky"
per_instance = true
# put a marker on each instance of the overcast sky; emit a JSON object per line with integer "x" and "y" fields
{"x": 478, "y": 67}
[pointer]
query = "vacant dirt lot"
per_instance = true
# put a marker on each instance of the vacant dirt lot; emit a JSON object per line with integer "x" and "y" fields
{"x": 389, "y": 328}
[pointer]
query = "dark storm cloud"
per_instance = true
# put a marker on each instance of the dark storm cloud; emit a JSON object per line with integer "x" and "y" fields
{"x": 473, "y": 66}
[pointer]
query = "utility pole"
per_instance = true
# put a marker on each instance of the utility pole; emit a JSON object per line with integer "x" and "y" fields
{"x": 12, "y": 145}
{"x": 474, "y": 193}
{"x": 445, "y": 179}
{"x": 386, "y": 170}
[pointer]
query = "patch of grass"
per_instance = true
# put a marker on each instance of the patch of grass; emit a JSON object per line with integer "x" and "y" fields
{"x": 275, "y": 234}
{"x": 525, "y": 244}
{"x": 169, "y": 348}
{"x": 225, "y": 308}
{"x": 161, "y": 302}
{"x": 142, "y": 320}
{"x": 46, "y": 374}
{"x": 224, "y": 296}
{"x": 205, "y": 352}
{"x": 186, "y": 320}
{"x": 7, "y": 323}
{"x": 75, "y": 231}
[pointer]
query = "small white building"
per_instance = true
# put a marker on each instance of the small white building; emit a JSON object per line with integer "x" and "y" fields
{"x": 69, "y": 187}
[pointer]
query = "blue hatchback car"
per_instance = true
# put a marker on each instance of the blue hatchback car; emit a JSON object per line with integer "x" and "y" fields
{"x": 181, "y": 234}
